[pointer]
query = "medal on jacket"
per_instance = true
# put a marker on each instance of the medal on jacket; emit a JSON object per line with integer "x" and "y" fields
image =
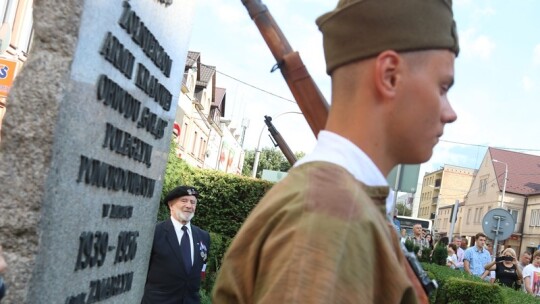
{"x": 203, "y": 250}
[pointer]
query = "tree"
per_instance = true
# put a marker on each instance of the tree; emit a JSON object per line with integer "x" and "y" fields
{"x": 270, "y": 159}
{"x": 403, "y": 209}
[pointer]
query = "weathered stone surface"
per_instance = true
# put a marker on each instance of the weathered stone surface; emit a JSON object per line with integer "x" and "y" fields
{"x": 52, "y": 206}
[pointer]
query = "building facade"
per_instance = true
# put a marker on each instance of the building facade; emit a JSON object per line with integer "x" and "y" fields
{"x": 508, "y": 180}
{"x": 203, "y": 138}
{"x": 16, "y": 34}
{"x": 443, "y": 188}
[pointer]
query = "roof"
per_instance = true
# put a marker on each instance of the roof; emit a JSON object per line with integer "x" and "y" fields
{"x": 192, "y": 58}
{"x": 523, "y": 171}
{"x": 206, "y": 73}
{"x": 219, "y": 100}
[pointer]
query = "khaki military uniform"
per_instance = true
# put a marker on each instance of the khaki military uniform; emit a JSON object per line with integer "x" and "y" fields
{"x": 319, "y": 236}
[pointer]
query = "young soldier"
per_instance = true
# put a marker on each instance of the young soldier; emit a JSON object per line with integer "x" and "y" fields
{"x": 321, "y": 235}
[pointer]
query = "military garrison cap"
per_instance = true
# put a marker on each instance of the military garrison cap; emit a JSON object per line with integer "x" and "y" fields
{"x": 179, "y": 192}
{"x": 361, "y": 29}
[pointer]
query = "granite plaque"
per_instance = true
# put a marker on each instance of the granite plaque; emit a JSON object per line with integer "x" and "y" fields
{"x": 106, "y": 110}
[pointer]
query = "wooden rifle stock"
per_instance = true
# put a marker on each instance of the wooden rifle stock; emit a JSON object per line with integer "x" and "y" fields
{"x": 306, "y": 93}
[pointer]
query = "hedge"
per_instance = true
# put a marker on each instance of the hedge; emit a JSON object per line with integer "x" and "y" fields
{"x": 456, "y": 286}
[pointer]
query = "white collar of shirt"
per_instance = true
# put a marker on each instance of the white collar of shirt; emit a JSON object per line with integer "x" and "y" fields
{"x": 338, "y": 150}
{"x": 178, "y": 227}
{"x": 179, "y": 233}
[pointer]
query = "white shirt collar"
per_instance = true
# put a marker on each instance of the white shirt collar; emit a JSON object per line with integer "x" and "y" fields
{"x": 178, "y": 226}
{"x": 338, "y": 150}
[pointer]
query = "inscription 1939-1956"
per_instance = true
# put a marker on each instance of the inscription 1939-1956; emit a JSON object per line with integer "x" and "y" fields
{"x": 94, "y": 246}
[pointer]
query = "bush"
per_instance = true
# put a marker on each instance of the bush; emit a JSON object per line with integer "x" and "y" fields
{"x": 440, "y": 253}
{"x": 411, "y": 247}
{"x": 459, "y": 290}
{"x": 425, "y": 255}
{"x": 206, "y": 297}
{"x": 456, "y": 286}
{"x": 409, "y": 244}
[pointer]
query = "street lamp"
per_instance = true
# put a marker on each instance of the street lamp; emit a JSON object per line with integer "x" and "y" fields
{"x": 505, "y": 178}
{"x": 258, "y": 150}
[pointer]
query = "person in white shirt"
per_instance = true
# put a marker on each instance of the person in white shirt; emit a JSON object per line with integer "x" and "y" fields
{"x": 451, "y": 260}
{"x": 403, "y": 235}
{"x": 531, "y": 275}
{"x": 460, "y": 252}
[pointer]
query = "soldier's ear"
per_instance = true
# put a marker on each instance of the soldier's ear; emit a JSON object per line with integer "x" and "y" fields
{"x": 387, "y": 73}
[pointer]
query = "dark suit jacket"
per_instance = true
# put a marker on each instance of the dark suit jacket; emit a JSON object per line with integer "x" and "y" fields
{"x": 167, "y": 280}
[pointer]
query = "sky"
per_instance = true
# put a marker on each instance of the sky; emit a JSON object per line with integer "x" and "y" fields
{"x": 495, "y": 95}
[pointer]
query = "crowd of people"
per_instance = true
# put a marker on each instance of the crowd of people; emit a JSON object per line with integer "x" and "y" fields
{"x": 503, "y": 268}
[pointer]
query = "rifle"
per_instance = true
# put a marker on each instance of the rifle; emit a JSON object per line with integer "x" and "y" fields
{"x": 315, "y": 109}
{"x": 279, "y": 141}
{"x": 292, "y": 68}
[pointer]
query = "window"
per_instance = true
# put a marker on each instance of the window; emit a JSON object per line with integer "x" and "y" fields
{"x": 8, "y": 10}
{"x": 514, "y": 213}
{"x": 201, "y": 148}
{"x": 194, "y": 144}
{"x": 23, "y": 24}
{"x": 3, "y": 9}
{"x": 480, "y": 214}
{"x": 483, "y": 185}
{"x": 191, "y": 83}
{"x": 535, "y": 218}
{"x": 184, "y": 134}
{"x": 469, "y": 215}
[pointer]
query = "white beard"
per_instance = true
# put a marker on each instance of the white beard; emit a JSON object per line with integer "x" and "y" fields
{"x": 184, "y": 216}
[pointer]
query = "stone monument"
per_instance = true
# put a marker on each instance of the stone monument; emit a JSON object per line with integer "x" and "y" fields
{"x": 84, "y": 148}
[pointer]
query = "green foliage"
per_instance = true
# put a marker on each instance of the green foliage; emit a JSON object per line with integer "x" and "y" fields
{"x": 458, "y": 290}
{"x": 409, "y": 244}
{"x": 456, "y": 286}
{"x": 425, "y": 255}
{"x": 517, "y": 296}
{"x": 440, "y": 253}
{"x": 269, "y": 159}
{"x": 416, "y": 248}
{"x": 206, "y": 297}
{"x": 403, "y": 209}
{"x": 225, "y": 200}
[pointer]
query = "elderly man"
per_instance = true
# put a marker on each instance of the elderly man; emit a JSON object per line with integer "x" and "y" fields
{"x": 476, "y": 257}
{"x": 179, "y": 253}
{"x": 321, "y": 235}
{"x": 418, "y": 238}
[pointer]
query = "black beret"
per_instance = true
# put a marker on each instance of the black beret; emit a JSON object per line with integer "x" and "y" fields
{"x": 179, "y": 192}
